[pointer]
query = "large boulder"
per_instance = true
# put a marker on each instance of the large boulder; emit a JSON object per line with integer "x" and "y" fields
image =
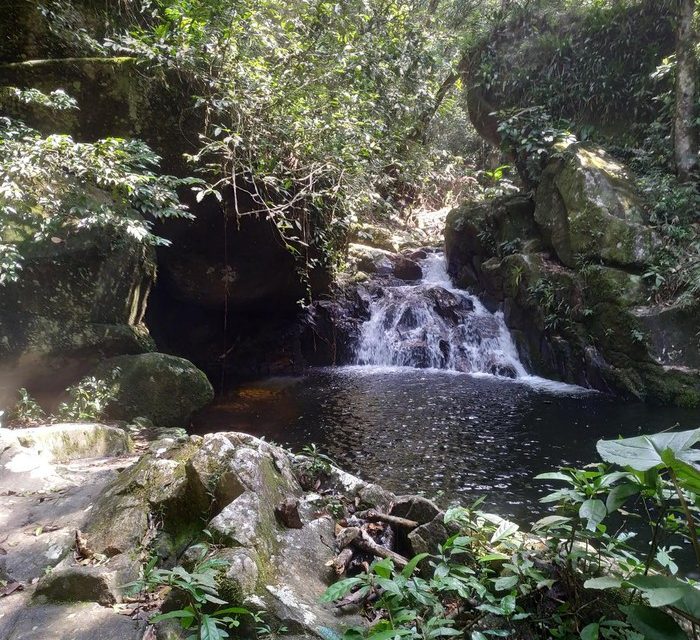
{"x": 384, "y": 263}
{"x": 233, "y": 484}
{"x": 588, "y": 208}
{"x": 572, "y": 296}
{"x": 80, "y": 299}
{"x": 163, "y": 388}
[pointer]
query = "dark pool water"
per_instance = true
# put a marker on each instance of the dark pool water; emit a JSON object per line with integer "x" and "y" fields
{"x": 434, "y": 432}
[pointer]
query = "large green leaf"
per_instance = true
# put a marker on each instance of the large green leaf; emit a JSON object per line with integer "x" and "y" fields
{"x": 619, "y": 494}
{"x": 604, "y": 582}
{"x": 339, "y": 589}
{"x": 590, "y": 632}
{"x": 652, "y": 623}
{"x": 208, "y": 630}
{"x": 688, "y": 475}
{"x": 661, "y": 591}
{"x": 594, "y": 512}
{"x": 645, "y": 452}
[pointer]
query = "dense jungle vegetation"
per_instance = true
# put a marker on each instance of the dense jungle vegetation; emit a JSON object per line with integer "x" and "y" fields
{"x": 327, "y": 116}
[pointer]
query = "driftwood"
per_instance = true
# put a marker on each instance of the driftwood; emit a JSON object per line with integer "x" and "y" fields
{"x": 342, "y": 561}
{"x": 346, "y": 536}
{"x": 375, "y": 516}
{"x": 366, "y": 543}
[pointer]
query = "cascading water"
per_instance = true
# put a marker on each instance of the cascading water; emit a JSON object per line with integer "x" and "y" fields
{"x": 431, "y": 324}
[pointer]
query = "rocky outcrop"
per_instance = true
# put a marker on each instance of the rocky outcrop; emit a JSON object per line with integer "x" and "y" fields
{"x": 80, "y": 299}
{"x": 228, "y": 288}
{"x": 50, "y": 479}
{"x": 232, "y": 484}
{"x": 588, "y": 209}
{"x": 165, "y": 389}
{"x": 566, "y": 269}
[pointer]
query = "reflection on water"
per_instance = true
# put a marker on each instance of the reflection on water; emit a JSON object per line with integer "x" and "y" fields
{"x": 430, "y": 431}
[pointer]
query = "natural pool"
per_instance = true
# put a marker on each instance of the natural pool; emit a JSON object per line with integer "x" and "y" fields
{"x": 456, "y": 435}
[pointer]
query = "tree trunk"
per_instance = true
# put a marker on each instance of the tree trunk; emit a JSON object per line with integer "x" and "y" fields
{"x": 685, "y": 142}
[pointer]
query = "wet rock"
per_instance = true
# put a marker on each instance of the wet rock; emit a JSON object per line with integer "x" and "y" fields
{"x": 384, "y": 263}
{"x": 503, "y": 370}
{"x": 449, "y": 306}
{"x": 406, "y": 269}
{"x": 163, "y": 388}
{"x": 420, "y": 254}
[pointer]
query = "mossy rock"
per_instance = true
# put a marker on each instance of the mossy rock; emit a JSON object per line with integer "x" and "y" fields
{"x": 588, "y": 208}
{"x": 134, "y": 102}
{"x": 77, "y": 302}
{"x": 154, "y": 485}
{"x": 373, "y": 235}
{"x": 66, "y": 441}
{"x": 607, "y": 284}
{"x": 163, "y": 388}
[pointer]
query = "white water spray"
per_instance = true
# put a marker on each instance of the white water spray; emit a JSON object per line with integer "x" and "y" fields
{"x": 431, "y": 324}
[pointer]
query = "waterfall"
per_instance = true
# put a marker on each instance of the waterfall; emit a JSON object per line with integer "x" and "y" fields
{"x": 431, "y": 324}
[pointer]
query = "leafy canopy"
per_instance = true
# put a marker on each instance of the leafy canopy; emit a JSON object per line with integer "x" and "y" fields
{"x": 51, "y": 187}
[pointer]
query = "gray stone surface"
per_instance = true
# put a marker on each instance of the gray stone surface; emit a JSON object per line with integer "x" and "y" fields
{"x": 83, "y": 621}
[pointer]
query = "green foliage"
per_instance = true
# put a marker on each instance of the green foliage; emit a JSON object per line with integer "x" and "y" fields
{"x": 484, "y": 581}
{"x": 27, "y": 411}
{"x": 659, "y": 475}
{"x": 489, "y": 580}
{"x": 87, "y": 400}
{"x": 532, "y": 137}
{"x": 554, "y": 302}
{"x": 205, "y": 615}
{"x": 53, "y": 187}
{"x": 580, "y": 60}
{"x": 674, "y": 273}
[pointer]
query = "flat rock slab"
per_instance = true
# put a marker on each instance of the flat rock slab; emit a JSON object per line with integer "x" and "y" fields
{"x": 38, "y": 527}
{"x": 30, "y": 458}
{"x": 83, "y": 621}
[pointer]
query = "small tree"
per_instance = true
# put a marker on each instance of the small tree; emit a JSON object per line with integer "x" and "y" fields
{"x": 686, "y": 143}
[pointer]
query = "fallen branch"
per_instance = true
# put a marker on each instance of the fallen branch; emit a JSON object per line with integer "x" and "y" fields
{"x": 342, "y": 560}
{"x": 376, "y": 516}
{"x": 365, "y": 543}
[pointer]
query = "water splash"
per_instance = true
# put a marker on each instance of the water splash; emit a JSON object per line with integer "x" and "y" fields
{"x": 431, "y": 324}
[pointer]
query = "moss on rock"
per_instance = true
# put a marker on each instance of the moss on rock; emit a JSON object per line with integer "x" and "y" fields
{"x": 588, "y": 208}
{"x": 163, "y": 388}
